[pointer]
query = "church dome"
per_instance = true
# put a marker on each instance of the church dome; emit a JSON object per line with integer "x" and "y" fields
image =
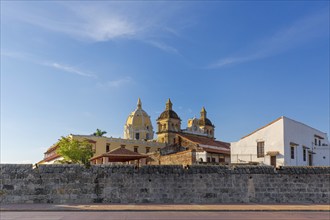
{"x": 138, "y": 125}
{"x": 205, "y": 121}
{"x": 168, "y": 113}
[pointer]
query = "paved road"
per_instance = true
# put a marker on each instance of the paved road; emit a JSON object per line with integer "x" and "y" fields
{"x": 101, "y": 215}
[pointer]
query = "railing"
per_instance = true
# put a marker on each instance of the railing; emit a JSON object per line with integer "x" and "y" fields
{"x": 246, "y": 158}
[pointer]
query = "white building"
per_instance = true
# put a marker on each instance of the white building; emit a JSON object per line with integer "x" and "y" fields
{"x": 283, "y": 142}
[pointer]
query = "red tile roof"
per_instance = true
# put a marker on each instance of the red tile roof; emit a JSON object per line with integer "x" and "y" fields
{"x": 53, "y": 157}
{"x": 201, "y": 140}
{"x": 218, "y": 151}
{"x": 120, "y": 154}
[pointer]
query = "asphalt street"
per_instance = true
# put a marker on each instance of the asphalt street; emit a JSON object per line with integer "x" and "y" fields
{"x": 115, "y": 215}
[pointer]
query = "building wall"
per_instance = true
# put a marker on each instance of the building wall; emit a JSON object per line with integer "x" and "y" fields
{"x": 245, "y": 150}
{"x": 183, "y": 158}
{"x": 163, "y": 184}
{"x": 101, "y": 144}
{"x": 304, "y": 137}
{"x": 280, "y": 136}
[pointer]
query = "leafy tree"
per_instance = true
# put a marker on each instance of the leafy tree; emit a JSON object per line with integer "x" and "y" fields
{"x": 74, "y": 151}
{"x": 99, "y": 133}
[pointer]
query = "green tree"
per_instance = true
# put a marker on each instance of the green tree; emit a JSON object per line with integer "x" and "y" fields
{"x": 99, "y": 133}
{"x": 74, "y": 151}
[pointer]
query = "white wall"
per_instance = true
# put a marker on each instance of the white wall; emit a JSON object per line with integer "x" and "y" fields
{"x": 245, "y": 149}
{"x": 304, "y": 136}
{"x": 321, "y": 156}
{"x": 201, "y": 155}
{"x": 279, "y": 135}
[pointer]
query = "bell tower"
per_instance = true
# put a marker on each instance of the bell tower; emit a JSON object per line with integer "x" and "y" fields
{"x": 169, "y": 124}
{"x": 205, "y": 124}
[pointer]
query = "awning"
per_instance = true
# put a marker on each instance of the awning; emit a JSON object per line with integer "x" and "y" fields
{"x": 318, "y": 136}
{"x": 272, "y": 153}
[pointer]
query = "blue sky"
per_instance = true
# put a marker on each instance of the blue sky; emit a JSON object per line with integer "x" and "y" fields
{"x": 72, "y": 67}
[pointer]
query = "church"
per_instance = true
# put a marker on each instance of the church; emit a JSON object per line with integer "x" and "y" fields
{"x": 174, "y": 145}
{"x": 195, "y": 144}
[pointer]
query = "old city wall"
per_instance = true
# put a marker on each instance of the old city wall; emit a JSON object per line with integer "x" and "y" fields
{"x": 163, "y": 184}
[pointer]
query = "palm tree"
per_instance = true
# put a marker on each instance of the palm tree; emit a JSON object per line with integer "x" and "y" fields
{"x": 99, "y": 133}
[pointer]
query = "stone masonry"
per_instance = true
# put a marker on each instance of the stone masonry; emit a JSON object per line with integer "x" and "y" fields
{"x": 163, "y": 184}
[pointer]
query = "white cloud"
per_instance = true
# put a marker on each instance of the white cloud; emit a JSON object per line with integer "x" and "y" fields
{"x": 104, "y": 21}
{"x": 70, "y": 69}
{"x": 56, "y": 65}
{"x": 116, "y": 83}
{"x": 164, "y": 47}
{"x": 299, "y": 32}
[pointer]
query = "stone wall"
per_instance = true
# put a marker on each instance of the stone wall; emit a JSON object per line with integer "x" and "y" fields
{"x": 163, "y": 184}
{"x": 187, "y": 157}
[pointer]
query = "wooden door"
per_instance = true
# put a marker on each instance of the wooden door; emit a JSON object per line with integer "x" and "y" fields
{"x": 310, "y": 159}
{"x": 273, "y": 161}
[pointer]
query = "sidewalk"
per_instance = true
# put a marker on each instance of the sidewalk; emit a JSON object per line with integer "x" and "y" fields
{"x": 165, "y": 207}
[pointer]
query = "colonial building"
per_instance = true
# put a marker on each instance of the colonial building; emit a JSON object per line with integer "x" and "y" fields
{"x": 283, "y": 142}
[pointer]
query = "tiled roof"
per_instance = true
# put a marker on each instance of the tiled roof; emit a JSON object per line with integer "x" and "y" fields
{"x": 53, "y": 157}
{"x": 214, "y": 150}
{"x": 121, "y": 154}
{"x": 205, "y": 140}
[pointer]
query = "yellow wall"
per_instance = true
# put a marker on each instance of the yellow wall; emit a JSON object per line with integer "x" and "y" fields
{"x": 102, "y": 142}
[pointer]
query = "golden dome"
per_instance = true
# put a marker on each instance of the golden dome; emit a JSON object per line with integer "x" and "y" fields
{"x": 138, "y": 125}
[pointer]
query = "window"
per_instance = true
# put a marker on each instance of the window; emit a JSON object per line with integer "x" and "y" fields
{"x": 304, "y": 154}
{"x": 147, "y": 150}
{"x": 147, "y": 136}
{"x": 319, "y": 142}
{"x": 136, "y": 149}
{"x": 315, "y": 141}
{"x": 137, "y": 136}
{"x": 260, "y": 149}
{"x": 292, "y": 152}
{"x": 107, "y": 148}
{"x": 173, "y": 140}
{"x": 213, "y": 159}
{"x": 208, "y": 160}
